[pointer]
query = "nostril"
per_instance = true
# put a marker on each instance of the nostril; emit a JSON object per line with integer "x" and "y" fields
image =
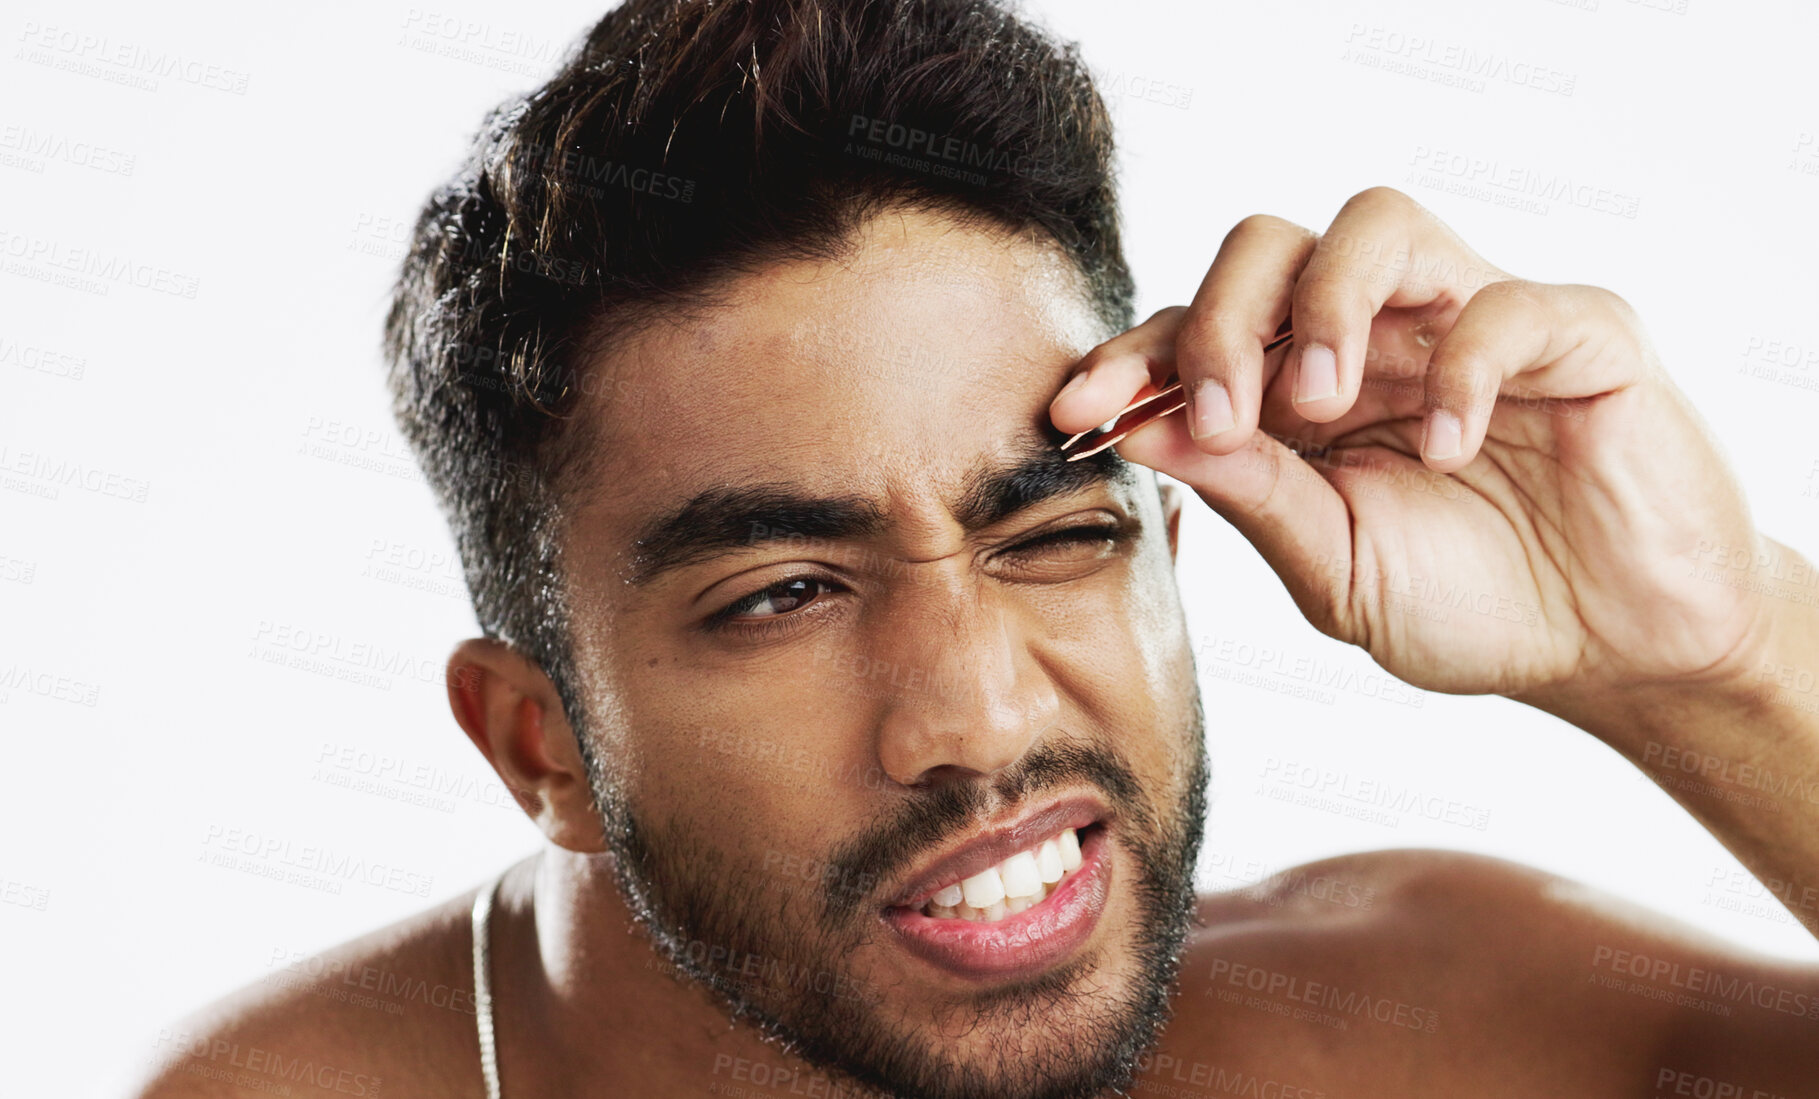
{"x": 943, "y": 775}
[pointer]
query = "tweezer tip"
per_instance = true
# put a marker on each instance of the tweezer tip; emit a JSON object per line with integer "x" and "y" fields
{"x": 1088, "y": 452}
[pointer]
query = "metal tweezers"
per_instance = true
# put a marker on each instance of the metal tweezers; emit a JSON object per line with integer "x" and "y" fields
{"x": 1161, "y": 403}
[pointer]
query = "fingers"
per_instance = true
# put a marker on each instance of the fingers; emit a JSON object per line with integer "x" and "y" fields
{"x": 1281, "y": 504}
{"x": 1235, "y": 313}
{"x": 1115, "y": 371}
{"x": 1386, "y": 278}
{"x": 1545, "y": 341}
{"x": 1501, "y": 329}
{"x": 1382, "y": 249}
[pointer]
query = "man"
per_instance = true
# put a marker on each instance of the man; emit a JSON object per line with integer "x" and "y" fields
{"x": 863, "y": 724}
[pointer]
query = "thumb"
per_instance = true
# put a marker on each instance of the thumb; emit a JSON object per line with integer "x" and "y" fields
{"x": 1280, "y": 503}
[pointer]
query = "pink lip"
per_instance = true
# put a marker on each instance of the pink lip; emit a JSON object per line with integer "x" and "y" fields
{"x": 993, "y": 847}
{"x": 1021, "y": 945}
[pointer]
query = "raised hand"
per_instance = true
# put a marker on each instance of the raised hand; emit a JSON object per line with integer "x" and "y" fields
{"x": 1489, "y": 484}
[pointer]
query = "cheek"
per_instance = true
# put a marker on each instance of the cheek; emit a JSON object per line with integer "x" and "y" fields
{"x": 1125, "y": 664}
{"x": 1155, "y": 622}
{"x": 768, "y": 770}
{"x": 1155, "y": 594}
{"x": 1120, "y": 647}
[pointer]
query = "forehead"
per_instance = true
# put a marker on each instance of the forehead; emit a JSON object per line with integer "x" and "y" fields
{"x": 892, "y": 372}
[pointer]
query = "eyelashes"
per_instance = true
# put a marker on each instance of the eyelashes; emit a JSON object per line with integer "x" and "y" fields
{"x": 804, "y": 596}
{"x": 1080, "y": 534}
{"x": 784, "y": 591}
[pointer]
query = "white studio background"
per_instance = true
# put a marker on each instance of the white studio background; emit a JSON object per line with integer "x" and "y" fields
{"x": 244, "y": 487}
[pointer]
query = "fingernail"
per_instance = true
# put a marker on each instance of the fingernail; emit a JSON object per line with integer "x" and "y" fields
{"x": 1319, "y": 376}
{"x": 1210, "y": 411}
{"x": 1076, "y": 382}
{"x": 1443, "y": 436}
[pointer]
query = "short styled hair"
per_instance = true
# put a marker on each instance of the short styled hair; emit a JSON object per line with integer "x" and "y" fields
{"x": 682, "y": 143}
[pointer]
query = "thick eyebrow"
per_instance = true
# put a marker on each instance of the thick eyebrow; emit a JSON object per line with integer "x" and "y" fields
{"x": 726, "y": 518}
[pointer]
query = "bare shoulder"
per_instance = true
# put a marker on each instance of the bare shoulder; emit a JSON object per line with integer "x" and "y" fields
{"x": 388, "y": 1014}
{"x": 1381, "y": 889}
{"x": 1463, "y": 909}
{"x": 1396, "y": 962}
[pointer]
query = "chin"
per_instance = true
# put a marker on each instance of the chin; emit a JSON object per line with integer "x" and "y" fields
{"x": 1074, "y": 1030}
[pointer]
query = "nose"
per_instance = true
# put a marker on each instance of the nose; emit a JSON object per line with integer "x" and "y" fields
{"x": 964, "y": 694}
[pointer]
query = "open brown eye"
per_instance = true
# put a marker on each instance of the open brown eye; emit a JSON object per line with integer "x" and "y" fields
{"x": 777, "y": 599}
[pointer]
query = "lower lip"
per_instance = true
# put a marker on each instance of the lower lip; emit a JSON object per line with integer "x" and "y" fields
{"x": 1022, "y": 945}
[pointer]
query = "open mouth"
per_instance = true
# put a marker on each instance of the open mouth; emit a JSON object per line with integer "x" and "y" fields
{"x": 1020, "y": 882}
{"x": 1018, "y": 917}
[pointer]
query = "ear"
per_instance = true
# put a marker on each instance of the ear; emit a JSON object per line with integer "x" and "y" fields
{"x": 509, "y": 708}
{"x": 1171, "y": 512}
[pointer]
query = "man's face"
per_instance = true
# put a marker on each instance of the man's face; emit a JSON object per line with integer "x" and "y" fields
{"x": 840, "y": 613}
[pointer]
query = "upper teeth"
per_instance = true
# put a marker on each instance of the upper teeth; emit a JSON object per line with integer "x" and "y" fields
{"x": 1011, "y": 886}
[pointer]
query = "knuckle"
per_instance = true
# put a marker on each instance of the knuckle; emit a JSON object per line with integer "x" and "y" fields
{"x": 1154, "y": 332}
{"x": 1612, "y": 304}
{"x": 1380, "y": 197}
{"x": 1350, "y": 258}
{"x": 1093, "y": 359}
{"x": 1513, "y": 302}
{"x": 1512, "y": 292}
{"x": 1621, "y": 317}
{"x": 1263, "y": 225}
{"x": 1209, "y": 342}
{"x": 1168, "y": 314}
{"x": 1325, "y": 295}
{"x": 1469, "y": 384}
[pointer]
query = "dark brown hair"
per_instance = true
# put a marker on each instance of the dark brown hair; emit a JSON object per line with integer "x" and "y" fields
{"x": 681, "y": 143}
